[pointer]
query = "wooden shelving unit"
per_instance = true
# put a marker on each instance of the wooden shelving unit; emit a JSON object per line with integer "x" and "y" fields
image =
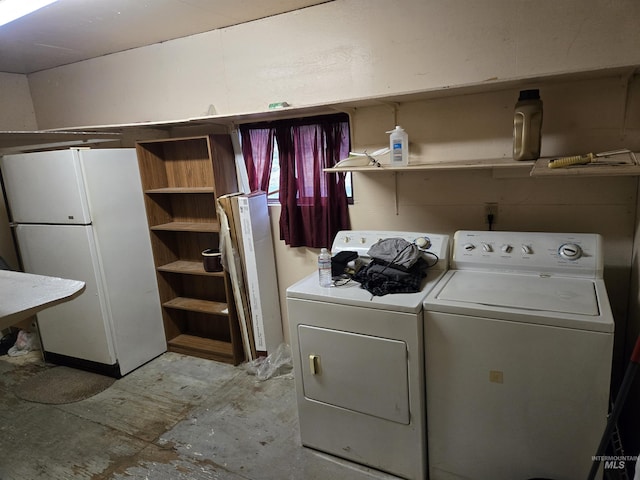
{"x": 181, "y": 179}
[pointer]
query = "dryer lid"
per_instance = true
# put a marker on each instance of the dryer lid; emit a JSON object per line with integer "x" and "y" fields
{"x": 563, "y": 295}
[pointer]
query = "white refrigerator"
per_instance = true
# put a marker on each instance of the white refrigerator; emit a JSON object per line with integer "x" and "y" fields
{"x": 79, "y": 214}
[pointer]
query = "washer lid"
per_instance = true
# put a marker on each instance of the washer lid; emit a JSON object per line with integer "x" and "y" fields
{"x": 565, "y": 295}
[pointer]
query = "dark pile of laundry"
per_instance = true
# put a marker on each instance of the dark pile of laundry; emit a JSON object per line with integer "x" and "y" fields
{"x": 397, "y": 266}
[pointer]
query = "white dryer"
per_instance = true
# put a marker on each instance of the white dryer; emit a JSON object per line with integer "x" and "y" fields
{"x": 518, "y": 342}
{"x": 359, "y": 363}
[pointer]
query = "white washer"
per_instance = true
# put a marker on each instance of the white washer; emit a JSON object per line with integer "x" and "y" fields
{"x": 359, "y": 363}
{"x": 518, "y": 342}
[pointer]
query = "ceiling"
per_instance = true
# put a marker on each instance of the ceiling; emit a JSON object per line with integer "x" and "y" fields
{"x": 70, "y": 31}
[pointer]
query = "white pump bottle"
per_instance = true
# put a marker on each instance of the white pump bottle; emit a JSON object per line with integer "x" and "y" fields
{"x": 399, "y": 146}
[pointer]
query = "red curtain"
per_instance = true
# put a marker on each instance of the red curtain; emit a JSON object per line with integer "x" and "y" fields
{"x": 313, "y": 203}
{"x": 257, "y": 150}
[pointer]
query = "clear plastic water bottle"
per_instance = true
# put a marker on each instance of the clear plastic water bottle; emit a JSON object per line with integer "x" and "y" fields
{"x": 324, "y": 268}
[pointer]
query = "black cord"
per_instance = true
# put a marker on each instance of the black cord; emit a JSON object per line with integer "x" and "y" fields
{"x": 396, "y": 257}
{"x": 436, "y": 257}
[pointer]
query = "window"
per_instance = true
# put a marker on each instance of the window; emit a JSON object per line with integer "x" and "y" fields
{"x": 287, "y": 158}
{"x": 273, "y": 187}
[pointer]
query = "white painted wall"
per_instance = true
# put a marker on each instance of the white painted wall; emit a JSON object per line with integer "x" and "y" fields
{"x": 341, "y": 50}
{"x": 16, "y": 113}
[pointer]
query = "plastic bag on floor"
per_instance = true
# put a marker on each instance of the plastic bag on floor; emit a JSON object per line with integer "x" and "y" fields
{"x": 25, "y": 342}
{"x": 276, "y": 363}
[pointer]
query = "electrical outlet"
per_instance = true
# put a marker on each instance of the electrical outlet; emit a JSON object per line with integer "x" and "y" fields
{"x": 490, "y": 213}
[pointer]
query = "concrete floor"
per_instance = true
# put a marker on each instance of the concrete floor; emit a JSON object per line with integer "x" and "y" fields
{"x": 177, "y": 417}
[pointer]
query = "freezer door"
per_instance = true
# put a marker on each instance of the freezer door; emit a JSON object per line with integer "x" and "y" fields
{"x": 79, "y": 328}
{"x": 45, "y": 187}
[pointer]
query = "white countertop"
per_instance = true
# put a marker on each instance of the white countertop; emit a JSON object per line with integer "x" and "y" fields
{"x": 23, "y": 294}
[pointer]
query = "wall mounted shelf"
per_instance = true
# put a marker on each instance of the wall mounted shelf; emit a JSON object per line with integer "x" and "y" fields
{"x": 21, "y": 141}
{"x": 540, "y": 169}
{"x": 18, "y": 141}
{"x": 537, "y": 168}
{"x": 457, "y": 165}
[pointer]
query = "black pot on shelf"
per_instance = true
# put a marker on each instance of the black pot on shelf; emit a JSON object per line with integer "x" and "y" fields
{"x": 212, "y": 260}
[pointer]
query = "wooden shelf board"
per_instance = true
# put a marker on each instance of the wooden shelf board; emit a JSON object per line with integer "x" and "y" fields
{"x": 457, "y": 165}
{"x": 24, "y": 141}
{"x": 537, "y": 168}
{"x": 197, "y": 305}
{"x": 180, "y": 190}
{"x": 541, "y": 169}
{"x": 211, "y": 227}
{"x": 188, "y": 268}
{"x": 201, "y": 346}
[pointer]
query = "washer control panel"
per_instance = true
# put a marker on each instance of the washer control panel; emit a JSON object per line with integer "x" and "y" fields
{"x": 569, "y": 253}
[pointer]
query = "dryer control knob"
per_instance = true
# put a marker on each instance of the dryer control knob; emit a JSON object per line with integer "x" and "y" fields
{"x": 468, "y": 246}
{"x": 570, "y": 251}
{"x": 526, "y": 249}
{"x": 487, "y": 247}
{"x": 506, "y": 248}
